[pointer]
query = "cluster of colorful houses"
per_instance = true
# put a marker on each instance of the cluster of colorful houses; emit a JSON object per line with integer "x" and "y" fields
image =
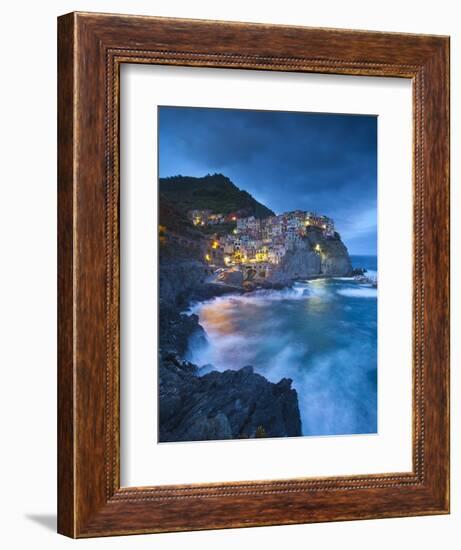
{"x": 257, "y": 240}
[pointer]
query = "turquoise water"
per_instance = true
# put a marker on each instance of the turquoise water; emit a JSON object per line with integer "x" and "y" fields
{"x": 322, "y": 334}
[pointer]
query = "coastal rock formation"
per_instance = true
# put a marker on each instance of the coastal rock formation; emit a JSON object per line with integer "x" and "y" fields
{"x": 182, "y": 266}
{"x": 335, "y": 260}
{"x": 210, "y": 290}
{"x": 314, "y": 255}
{"x": 179, "y": 279}
{"x": 176, "y": 331}
{"x": 223, "y": 405}
{"x": 299, "y": 263}
{"x": 232, "y": 276}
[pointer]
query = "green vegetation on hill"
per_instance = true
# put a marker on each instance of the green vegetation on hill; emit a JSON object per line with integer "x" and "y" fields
{"x": 173, "y": 219}
{"x": 214, "y": 192}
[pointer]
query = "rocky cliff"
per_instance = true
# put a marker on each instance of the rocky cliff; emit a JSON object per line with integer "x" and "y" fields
{"x": 182, "y": 268}
{"x": 314, "y": 255}
{"x": 178, "y": 280}
{"x": 223, "y": 405}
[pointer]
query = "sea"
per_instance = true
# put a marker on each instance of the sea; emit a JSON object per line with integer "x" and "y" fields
{"x": 322, "y": 333}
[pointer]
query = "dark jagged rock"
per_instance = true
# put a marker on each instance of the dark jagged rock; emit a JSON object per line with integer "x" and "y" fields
{"x": 177, "y": 329}
{"x": 231, "y": 276}
{"x": 223, "y": 405}
{"x": 363, "y": 279}
{"x": 251, "y": 286}
{"x": 207, "y": 291}
{"x": 178, "y": 280}
{"x": 181, "y": 256}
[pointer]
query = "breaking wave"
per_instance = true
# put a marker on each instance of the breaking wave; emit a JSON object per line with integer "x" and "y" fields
{"x": 361, "y": 292}
{"x": 315, "y": 333}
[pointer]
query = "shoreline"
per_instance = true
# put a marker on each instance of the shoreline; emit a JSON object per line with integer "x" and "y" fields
{"x": 227, "y": 289}
{"x": 182, "y": 387}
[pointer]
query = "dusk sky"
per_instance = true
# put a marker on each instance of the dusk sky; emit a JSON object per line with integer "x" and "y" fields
{"x": 326, "y": 163}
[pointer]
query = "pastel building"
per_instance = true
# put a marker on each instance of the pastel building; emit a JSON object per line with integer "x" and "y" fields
{"x": 267, "y": 240}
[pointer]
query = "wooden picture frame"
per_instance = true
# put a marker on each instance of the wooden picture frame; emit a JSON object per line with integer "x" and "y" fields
{"x": 92, "y": 48}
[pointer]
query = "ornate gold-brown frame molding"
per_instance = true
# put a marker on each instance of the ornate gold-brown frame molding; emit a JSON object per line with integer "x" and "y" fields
{"x": 91, "y": 49}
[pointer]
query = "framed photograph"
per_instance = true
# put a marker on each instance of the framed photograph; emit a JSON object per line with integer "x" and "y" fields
{"x": 253, "y": 275}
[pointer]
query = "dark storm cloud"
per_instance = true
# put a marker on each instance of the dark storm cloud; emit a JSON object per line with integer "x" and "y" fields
{"x": 321, "y": 162}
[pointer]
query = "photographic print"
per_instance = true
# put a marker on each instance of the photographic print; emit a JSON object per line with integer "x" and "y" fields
{"x": 268, "y": 274}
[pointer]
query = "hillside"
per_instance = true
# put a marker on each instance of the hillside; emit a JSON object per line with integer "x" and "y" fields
{"x": 214, "y": 192}
{"x": 174, "y": 220}
{"x": 182, "y": 267}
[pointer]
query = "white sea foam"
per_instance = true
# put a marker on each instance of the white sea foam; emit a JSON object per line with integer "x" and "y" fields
{"x": 299, "y": 291}
{"x": 359, "y": 292}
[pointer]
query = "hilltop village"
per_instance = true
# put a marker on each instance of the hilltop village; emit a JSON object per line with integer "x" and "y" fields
{"x": 255, "y": 240}
{"x": 239, "y": 241}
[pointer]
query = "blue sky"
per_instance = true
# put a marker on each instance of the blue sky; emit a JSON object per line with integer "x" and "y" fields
{"x": 309, "y": 161}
